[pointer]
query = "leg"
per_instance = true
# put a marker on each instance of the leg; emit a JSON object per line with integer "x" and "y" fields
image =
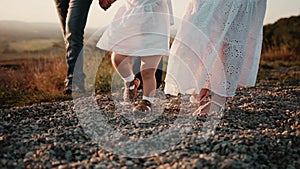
{"x": 122, "y": 64}
{"x": 215, "y": 105}
{"x": 198, "y": 98}
{"x": 136, "y": 70}
{"x": 62, "y": 11}
{"x": 158, "y": 74}
{"x": 203, "y": 93}
{"x": 148, "y": 69}
{"x": 74, "y": 34}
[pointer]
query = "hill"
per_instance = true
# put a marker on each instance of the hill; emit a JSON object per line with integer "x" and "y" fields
{"x": 17, "y": 37}
{"x": 17, "y": 30}
{"x": 283, "y": 35}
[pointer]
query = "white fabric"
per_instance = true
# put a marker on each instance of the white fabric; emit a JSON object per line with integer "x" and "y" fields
{"x": 139, "y": 28}
{"x": 218, "y": 46}
{"x": 150, "y": 99}
{"x": 129, "y": 78}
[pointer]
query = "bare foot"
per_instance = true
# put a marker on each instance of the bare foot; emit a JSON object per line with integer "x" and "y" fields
{"x": 209, "y": 107}
{"x": 198, "y": 98}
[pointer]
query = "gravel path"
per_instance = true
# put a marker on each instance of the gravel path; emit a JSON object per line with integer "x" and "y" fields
{"x": 260, "y": 129}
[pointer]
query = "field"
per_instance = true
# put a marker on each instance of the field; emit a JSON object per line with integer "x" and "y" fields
{"x": 29, "y": 60}
{"x": 28, "y": 68}
{"x": 41, "y": 128}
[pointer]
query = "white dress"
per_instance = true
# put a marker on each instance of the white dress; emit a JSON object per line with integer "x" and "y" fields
{"x": 218, "y": 46}
{"x": 139, "y": 28}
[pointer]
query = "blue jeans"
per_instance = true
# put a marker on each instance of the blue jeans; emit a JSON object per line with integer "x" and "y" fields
{"x": 73, "y": 16}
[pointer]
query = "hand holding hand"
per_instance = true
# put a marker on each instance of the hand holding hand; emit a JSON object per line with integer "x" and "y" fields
{"x": 105, "y": 4}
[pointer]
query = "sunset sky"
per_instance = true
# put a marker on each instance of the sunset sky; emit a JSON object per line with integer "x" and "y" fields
{"x": 44, "y": 11}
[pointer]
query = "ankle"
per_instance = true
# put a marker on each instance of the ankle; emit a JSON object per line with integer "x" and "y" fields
{"x": 150, "y": 99}
{"x": 129, "y": 79}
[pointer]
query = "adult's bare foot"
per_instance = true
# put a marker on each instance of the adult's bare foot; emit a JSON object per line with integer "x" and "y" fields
{"x": 198, "y": 98}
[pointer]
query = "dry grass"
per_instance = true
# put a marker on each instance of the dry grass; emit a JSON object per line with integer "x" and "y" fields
{"x": 40, "y": 78}
{"x": 32, "y": 80}
{"x": 279, "y": 55}
{"x": 37, "y": 74}
{"x": 32, "y": 45}
{"x": 280, "y": 66}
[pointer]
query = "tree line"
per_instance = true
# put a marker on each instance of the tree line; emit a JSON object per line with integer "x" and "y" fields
{"x": 283, "y": 35}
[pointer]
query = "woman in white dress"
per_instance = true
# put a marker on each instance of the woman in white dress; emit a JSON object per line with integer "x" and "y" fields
{"x": 140, "y": 29}
{"x": 217, "y": 48}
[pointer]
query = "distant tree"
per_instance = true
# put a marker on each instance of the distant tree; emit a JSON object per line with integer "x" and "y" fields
{"x": 283, "y": 35}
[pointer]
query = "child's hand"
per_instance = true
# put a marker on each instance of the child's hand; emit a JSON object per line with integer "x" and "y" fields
{"x": 105, "y": 4}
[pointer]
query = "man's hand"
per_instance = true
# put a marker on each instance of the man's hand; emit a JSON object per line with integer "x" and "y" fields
{"x": 105, "y": 4}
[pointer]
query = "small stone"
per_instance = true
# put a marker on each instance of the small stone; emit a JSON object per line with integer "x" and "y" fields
{"x": 29, "y": 154}
{"x": 285, "y": 133}
{"x": 68, "y": 155}
{"x": 149, "y": 163}
{"x": 291, "y": 167}
{"x": 100, "y": 166}
{"x": 216, "y": 148}
{"x": 93, "y": 160}
{"x": 129, "y": 163}
{"x": 227, "y": 164}
{"x": 34, "y": 127}
{"x": 3, "y": 162}
{"x": 65, "y": 166}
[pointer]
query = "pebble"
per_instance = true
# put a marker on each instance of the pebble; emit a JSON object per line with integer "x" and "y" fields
{"x": 29, "y": 154}
{"x": 129, "y": 163}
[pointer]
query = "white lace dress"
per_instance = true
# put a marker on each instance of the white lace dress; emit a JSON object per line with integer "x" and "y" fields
{"x": 217, "y": 46}
{"x": 139, "y": 28}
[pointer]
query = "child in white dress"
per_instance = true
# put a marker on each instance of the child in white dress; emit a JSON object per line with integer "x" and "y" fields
{"x": 217, "y": 49}
{"x": 140, "y": 29}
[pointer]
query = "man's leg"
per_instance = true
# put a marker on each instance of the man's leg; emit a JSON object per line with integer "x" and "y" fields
{"x": 74, "y": 35}
{"x": 62, "y": 11}
{"x": 158, "y": 73}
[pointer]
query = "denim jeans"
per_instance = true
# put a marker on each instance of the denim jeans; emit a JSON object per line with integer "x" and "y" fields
{"x": 73, "y": 16}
